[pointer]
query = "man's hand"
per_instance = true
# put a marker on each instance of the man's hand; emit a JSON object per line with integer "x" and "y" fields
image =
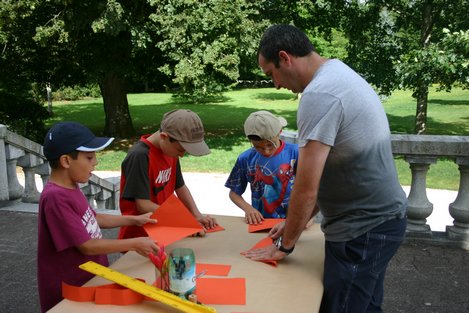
{"x": 253, "y": 216}
{"x": 277, "y": 230}
{"x": 143, "y": 219}
{"x": 264, "y": 254}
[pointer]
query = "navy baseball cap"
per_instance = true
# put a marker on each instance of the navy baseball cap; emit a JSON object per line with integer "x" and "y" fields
{"x": 66, "y": 137}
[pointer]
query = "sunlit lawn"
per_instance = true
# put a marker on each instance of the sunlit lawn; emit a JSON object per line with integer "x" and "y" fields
{"x": 448, "y": 114}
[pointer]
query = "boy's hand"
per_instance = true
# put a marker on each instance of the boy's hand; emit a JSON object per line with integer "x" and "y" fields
{"x": 145, "y": 245}
{"x": 143, "y": 219}
{"x": 253, "y": 216}
{"x": 207, "y": 222}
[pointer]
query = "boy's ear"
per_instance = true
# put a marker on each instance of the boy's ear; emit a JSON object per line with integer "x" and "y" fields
{"x": 163, "y": 136}
{"x": 64, "y": 161}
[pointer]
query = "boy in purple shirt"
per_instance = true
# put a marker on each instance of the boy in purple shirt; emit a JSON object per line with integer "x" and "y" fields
{"x": 69, "y": 229}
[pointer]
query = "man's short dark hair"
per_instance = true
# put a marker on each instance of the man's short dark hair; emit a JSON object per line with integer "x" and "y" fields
{"x": 284, "y": 37}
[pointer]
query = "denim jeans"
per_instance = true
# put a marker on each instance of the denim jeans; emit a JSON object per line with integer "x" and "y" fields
{"x": 354, "y": 270}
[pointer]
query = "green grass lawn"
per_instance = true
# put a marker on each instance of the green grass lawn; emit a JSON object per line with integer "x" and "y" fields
{"x": 448, "y": 114}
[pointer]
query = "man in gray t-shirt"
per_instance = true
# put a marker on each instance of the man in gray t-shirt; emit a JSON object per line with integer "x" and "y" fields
{"x": 345, "y": 169}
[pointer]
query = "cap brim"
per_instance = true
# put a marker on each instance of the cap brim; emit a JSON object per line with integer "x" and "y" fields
{"x": 195, "y": 148}
{"x": 282, "y": 121}
{"x": 98, "y": 143}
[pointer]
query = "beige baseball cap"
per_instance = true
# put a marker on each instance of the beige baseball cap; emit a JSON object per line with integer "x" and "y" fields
{"x": 186, "y": 127}
{"x": 264, "y": 124}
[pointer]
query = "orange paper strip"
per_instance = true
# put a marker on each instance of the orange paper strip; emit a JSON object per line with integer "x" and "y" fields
{"x": 175, "y": 222}
{"x": 267, "y": 241}
{"x": 79, "y": 294}
{"x": 224, "y": 291}
{"x": 103, "y": 294}
{"x": 213, "y": 269}
{"x": 267, "y": 223}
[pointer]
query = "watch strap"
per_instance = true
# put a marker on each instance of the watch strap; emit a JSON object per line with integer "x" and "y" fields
{"x": 280, "y": 247}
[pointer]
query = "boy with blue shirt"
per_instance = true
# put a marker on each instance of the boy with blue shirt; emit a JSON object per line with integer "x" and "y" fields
{"x": 268, "y": 167}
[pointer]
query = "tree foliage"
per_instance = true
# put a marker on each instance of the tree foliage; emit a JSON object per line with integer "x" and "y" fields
{"x": 205, "y": 42}
{"x": 192, "y": 47}
{"x": 20, "y": 99}
{"x": 404, "y": 44}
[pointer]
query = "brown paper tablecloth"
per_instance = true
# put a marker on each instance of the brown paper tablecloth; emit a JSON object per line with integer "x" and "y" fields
{"x": 294, "y": 286}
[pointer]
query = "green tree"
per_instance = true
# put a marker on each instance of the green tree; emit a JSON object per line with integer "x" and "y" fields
{"x": 405, "y": 44}
{"x": 193, "y": 45}
{"x": 206, "y": 41}
{"x": 21, "y": 108}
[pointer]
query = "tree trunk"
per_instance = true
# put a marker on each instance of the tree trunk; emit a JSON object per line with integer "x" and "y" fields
{"x": 421, "y": 115}
{"x": 421, "y": 94}
{"x": 116, "y": 107}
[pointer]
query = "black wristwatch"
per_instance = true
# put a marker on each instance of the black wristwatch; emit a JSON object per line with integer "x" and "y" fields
{"x": 278, "y": 244}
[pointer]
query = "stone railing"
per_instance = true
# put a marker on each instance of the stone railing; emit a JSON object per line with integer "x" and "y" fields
{"x": 420, "y": 151}
{"x": 19, "y": 152}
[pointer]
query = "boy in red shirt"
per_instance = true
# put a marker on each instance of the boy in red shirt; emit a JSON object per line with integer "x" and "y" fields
{"x": 151, "y": 171}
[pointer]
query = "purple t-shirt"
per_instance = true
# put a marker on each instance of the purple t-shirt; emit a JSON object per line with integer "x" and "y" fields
{"x": 65, "y": 222}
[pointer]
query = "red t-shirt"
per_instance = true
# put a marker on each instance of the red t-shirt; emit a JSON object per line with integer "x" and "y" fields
{"x": 146, "y": 173}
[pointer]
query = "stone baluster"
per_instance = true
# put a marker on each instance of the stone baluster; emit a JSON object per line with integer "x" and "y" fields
{"x": 15, "y": 189}
{"x": 4, "y": 194}
{"x": 90, "y": 191}
{"x": 459, "y": 209}
{"x": 29, "y": 162}
{"x": 289, "y": 136}
{"x": 102, "y": 199}
{"x": 419, "y": 208}
{"x": 44, "y": 171}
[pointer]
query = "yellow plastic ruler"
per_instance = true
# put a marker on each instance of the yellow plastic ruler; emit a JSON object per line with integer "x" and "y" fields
{"x": 145, "y": 289}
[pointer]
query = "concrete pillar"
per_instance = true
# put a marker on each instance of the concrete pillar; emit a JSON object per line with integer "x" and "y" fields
{"x": 459, "y": 209}
{"x": 419, "y": 207}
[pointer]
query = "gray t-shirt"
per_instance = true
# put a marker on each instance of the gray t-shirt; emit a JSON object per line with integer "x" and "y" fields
{"x": 359, "y": 187}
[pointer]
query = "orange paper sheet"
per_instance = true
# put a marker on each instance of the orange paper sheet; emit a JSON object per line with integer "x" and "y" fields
{"x": 217, "y": 228}
{"x": 175, "y": 222}
{"x": 267, "y": 241}
{"x": 212, "y": 269}
{"x": 224, "y": 291}
{"x": 267, "y": 223}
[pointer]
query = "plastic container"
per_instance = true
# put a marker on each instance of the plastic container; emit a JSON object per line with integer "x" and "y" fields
{"x": 182, "y": 272}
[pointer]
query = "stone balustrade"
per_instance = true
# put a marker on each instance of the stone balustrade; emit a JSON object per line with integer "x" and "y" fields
{"x": 421, "y": 151}
{"x": 19, "y": 152}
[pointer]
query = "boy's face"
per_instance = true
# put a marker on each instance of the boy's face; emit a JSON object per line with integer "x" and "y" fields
{"x": 80, "y": 168}
{"x": 171, "y": 147}
{"x": 266, "y": 147}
